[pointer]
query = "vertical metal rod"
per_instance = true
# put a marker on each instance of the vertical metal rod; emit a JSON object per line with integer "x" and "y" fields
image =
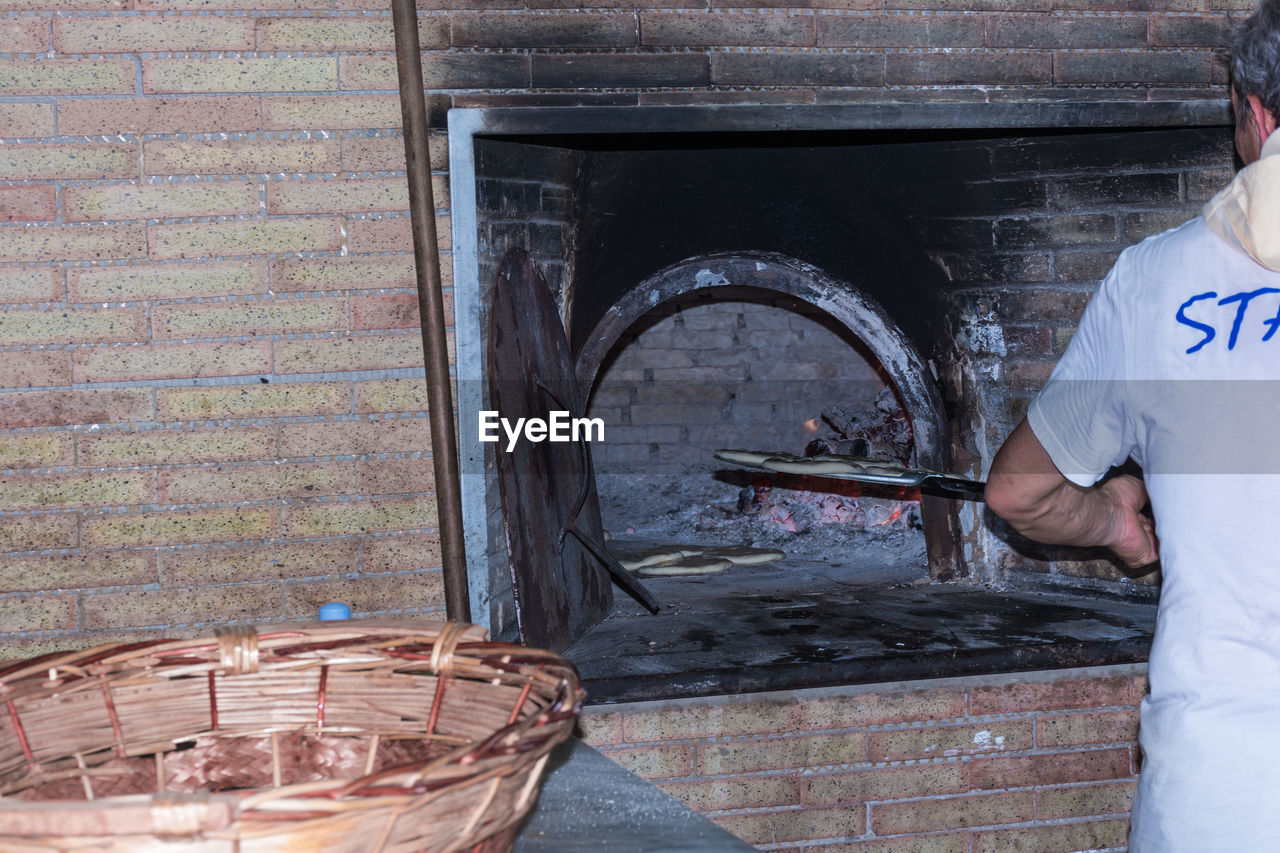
{"x": 426, "y": 257}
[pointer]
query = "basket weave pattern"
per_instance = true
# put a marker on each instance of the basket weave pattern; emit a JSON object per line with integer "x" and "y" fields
{"x": 354, "y": 737}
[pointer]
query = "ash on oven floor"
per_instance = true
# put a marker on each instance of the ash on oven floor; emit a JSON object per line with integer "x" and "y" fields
{"x": 800, "y": 623}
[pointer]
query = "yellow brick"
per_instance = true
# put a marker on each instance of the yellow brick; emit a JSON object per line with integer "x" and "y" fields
{"x": 62, "y": 5}
{"x": 253, "y": 401}
{"x": 397, "y": 553}
{"x": 380, "y": 153}
{"x": 37, "y": 613}
{"x": 256, "y": 482}
{"x": 282, "y": 74}
{"x": 354, "y": 437}
{"x": 74, "y": 242}
{"x": 711, "y": 721}
{"x": 104, "y": 364}
{"x": 874, "y": 708}
{"x": 336, "y": 112}
{"x": 653, "y": 762}
{"x": 342, "y": 273}
{"x": 67, "y": 326}
{"x": 391, "y": 395}
{"x": 164, "y": 607}
{"x": 353, "y": 34}
{"x": 240, "y": 156}
{"x": 598, "y": 728}
{"x": 168, "y": 281}
{"x": 366, "y": 195}
{"x": 131, "y": 35}
{"x": 180, "y": 528}
{"x": 742, "y": 793}
{"x": 186, "y": 567}
{"x": 156, "y": 201}
{"x": 66, "y": 76}
{"x": 795, "y": 825}
{"x": 392, "y": 233}
{"x": 886, "y": 783}
{"x": 36, "y": 532}
{"x": 344, "y": 517}
{"x": 25, "y": 35}
{"x": 22, "y": 121}
{"x": 939, "y": 741}
{"x": 68, "y": 161}
{"x": 1089, "y": 835}
{"x": 744, "y": 756}
{"x": 166, "y": 447}
{"x": 62, "y": 490}
{"x": 27, "y": 285}
{"x": 34, "y": 451}
{"x": 249, "y": 318}
{"x": 366, "y": 352}
{"x": 1084, "y": 800}
{"x": 245, "y": 238}
{"x": 948, "y": 842}
{"x": 78, "y": 571}
{"x": 410, "y": 591}
{"x": 951, "y": 812}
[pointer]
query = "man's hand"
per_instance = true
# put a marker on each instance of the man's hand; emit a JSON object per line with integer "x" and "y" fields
{"x": 1132, "y": 534}
{"x": 1027, "y": 490}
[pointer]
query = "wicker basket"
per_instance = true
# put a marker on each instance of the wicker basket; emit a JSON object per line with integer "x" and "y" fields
{"x": 332, "y": 736}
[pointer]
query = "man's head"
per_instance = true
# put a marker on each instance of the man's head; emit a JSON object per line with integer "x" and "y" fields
{"x": 1255, "y": 79}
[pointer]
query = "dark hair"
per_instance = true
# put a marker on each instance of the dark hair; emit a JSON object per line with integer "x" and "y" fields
{"x": 1255, "y": 56}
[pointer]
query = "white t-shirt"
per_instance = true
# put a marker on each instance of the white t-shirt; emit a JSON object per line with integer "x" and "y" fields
{"x": 1176, "y": 363}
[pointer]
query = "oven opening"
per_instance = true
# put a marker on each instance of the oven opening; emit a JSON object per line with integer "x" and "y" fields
{"x": 801, "y": 283}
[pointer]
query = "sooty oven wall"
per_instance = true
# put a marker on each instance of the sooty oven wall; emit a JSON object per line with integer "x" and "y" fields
{"x": 982, "y": 246}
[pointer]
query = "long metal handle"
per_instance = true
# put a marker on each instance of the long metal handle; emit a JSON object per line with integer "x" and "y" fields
{"x": 426, "y": 258}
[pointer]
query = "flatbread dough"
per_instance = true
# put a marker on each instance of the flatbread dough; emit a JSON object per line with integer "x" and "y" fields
{"x": 696, "y": 565}
{"x": 743, "y": 457}
{"x": 810, "y": 466}
{"x": 635, "y": 560}
{"x": 744, "y": 555}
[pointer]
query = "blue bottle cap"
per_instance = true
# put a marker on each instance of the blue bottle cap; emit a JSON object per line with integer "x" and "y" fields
{"x": 333, "y": 611}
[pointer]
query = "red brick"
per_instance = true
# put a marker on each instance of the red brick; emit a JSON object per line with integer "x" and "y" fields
{"x": 354, "y": 437}
{"x": 722, "y": 30}
{"x": 162, "y": 607}
{"x": 1174, "y": 68}
{"x": 396, "y": 476}
{"x": 26, "y": 204}
{"x": 411, "y": 592}
{"x": 392, "y": 311}
{"x": 1071, "y": 729}
{"x": 1055, "y": 768}
{"x": 362, "y": 352}
{"x": 439, "y": 71}
{"x": 895, "y": 29}
{"x": 935, "y": 842}
{"x": 565, "y": 29}
{"x": 103, "y": 364}
{"x": 385, "y": 154}
{"x": 34, "y": 369}
{"x": 951, "y": 813}
{"x": 254, "y": 482}
{"x": 586, "y": 71}
{"x": 25, "y": 35}
{"x": 158, "y": 115}
{"x": 38, "y": 532}
{"x": 399, "y": 553}
{"x": 1066, "y": 31}
{"x": 937, "y": 68}
{"x": 938, "y": 741}
{"x": 1049, "y": 695}
{"x": 79, "y": 406}
{"x": 393, "y": 234}
{"x": 20, "y": 121}
{"x": 805, "y": 68}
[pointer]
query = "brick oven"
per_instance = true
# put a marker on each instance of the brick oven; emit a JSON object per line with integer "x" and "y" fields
{"x": 212, "y": 358}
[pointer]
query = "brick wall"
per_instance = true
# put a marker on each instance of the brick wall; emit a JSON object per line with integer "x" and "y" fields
{"x": 208, "y": 350}
{"x": 1042, "y": 762}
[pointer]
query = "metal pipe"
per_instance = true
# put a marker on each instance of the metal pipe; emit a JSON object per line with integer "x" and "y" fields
{"x": 426, "y": 258}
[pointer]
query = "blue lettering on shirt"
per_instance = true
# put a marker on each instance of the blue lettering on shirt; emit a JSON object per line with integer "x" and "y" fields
{"x": 1242, "y": 300}
{"x": 1182, "y": 318}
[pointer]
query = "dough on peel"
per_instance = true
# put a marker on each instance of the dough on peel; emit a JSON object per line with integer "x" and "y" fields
{"x": 810, "y": 466}
{"x": 634, "y": 560}
{"x": 696, "y": 565}
{"x": 742, "y": 457}
{"x": 744, "y": 555}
